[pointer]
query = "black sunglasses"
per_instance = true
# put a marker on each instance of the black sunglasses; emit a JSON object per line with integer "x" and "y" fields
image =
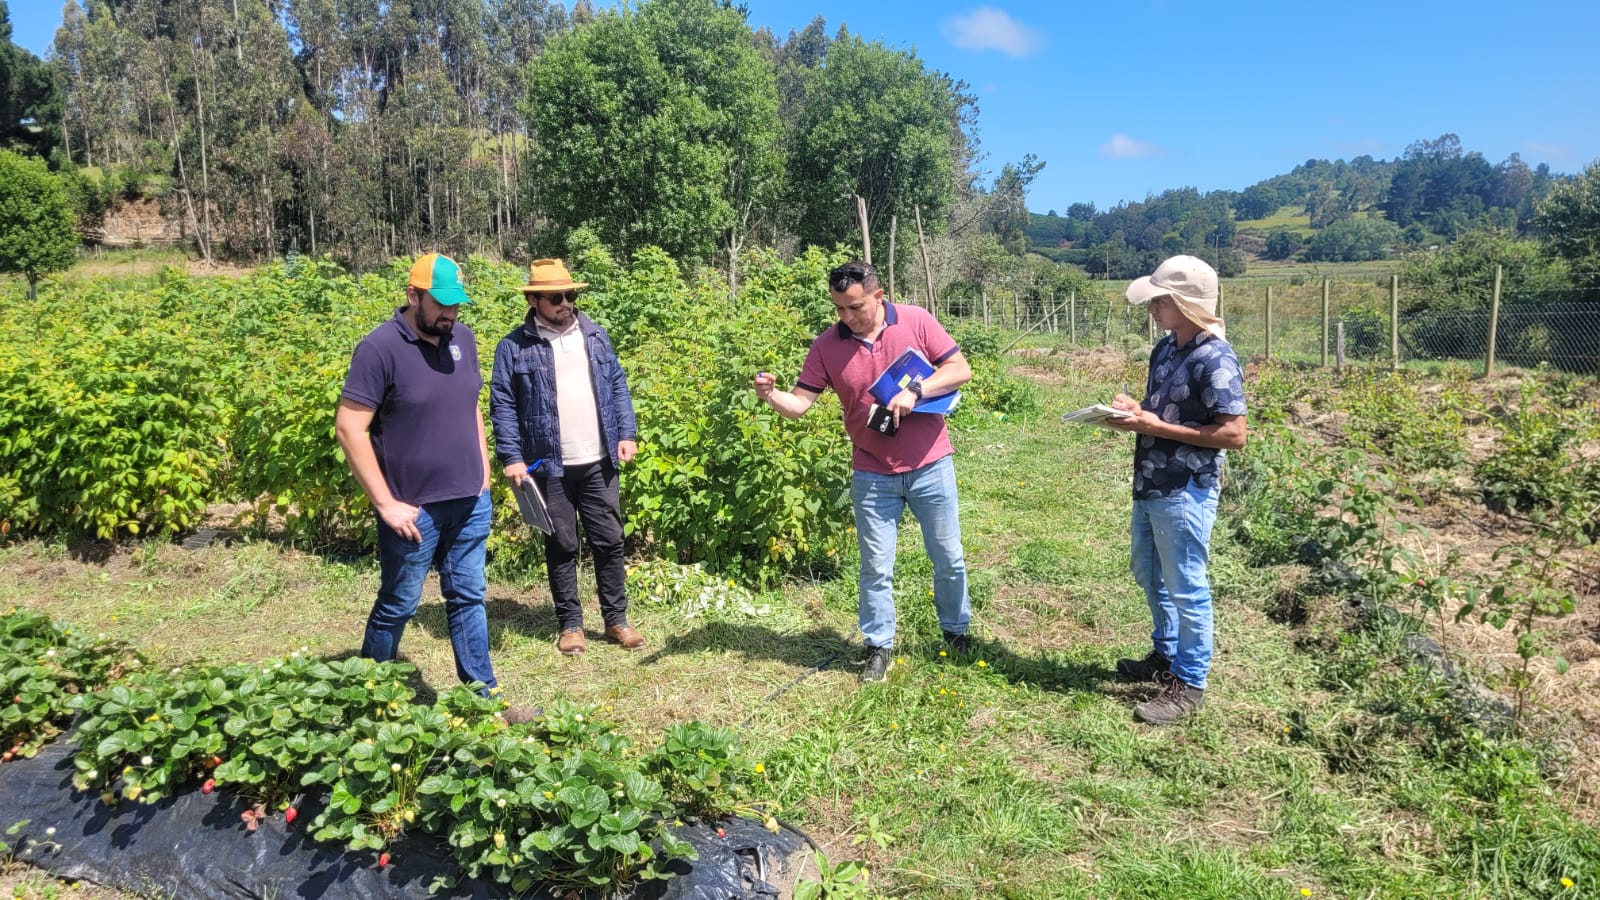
{"x": 558, "y": 298}
{"x": 843, "y": 276}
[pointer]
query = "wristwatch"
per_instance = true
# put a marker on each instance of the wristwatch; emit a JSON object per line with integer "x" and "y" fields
{"x": 915, "y": 387}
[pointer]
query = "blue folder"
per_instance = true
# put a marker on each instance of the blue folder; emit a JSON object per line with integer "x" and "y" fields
{"x": 912, "y": 365}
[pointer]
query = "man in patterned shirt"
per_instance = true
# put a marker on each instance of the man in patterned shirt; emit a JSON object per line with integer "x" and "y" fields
{"x": 1193, "y": 413}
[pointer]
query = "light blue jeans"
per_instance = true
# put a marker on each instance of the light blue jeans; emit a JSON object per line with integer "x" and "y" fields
{"x": 878, "y": 500}
{"x": 1171, "y": 546}
{"x": 455, "y": 536}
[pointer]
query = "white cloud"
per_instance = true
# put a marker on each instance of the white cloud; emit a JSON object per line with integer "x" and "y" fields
{"x": 989, "y": 28}
{"x": 1123, "y": 147}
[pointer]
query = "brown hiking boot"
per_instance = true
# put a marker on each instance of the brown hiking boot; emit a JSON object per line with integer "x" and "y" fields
{"x": 1176, "y": 702}
{"x": 627, "y": 637}
{"x": 1144, "y": 669}
{"x": 571, "y": 642}
{"x": 521, "y": 715}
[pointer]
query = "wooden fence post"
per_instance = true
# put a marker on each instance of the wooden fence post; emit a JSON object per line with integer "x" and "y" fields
{"x": 1269, "y": 323}
{"x": 866, "y": 236}
{"x": 927, "y": 269}
{"x": 1494, "y": 324}
{"x": 984, "y": 293}
{"x": 1324, "y": 323}
{"x": 1110, "y": 301}
{"x": 894, "y": 225}
{"x": 1338, "y": 349}
{"x": 1394, "y": 323}
{"x": 1072, "y": 316}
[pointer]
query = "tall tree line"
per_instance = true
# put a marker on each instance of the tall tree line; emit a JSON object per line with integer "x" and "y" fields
{"x": 364, "y": 128}
{"x": 369, "y": 129}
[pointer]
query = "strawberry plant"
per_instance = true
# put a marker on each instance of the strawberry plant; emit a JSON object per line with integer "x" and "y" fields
{"x": 45, "y": 667}
{"x": 696, "y": 764}
{"x": 147, "y": 735}
{"x": 297, "y": 713}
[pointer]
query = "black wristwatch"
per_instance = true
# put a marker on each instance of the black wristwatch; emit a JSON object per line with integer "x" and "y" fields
{"x": 915, "y": 387}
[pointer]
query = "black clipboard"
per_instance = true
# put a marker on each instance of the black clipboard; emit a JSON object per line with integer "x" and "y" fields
{"x": 532, "y": 506}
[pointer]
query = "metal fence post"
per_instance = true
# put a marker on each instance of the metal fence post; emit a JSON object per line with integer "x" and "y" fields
{"x": 1324, "y": 323}
{"x": 1338, "y": 349}
{"x": 1494, "y": 324}
{"x": 1394, "y": 323}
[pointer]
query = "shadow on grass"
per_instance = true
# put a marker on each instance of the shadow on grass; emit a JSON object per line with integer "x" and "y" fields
{"x": 1045, "y": 671}
{"x": 824, "y": 649}
{"x": 819, "y": 648}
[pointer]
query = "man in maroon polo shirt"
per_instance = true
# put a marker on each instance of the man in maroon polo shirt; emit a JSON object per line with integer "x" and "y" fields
{"x": 912, "y": 467}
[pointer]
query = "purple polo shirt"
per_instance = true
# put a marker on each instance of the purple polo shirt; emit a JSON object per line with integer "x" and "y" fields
{"x": 848, "y": 364}
{"x": 425, "y": 426}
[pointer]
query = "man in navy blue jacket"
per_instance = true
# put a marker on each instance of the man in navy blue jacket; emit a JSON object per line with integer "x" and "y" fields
{"x": 563, "y": 416}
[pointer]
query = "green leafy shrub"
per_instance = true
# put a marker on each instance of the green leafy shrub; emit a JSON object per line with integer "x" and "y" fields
{"x": 1416, "y": 431}
{"x": 109, "y": 424}
{"x": 1536, "y": 467}
{"x": 720, "y": 478}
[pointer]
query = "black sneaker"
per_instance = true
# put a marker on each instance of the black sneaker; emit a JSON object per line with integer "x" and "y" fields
{"x": 876, "y": 667}
{"x": 1144, "y": 669}
{"x": 957, "y": 643}
{"x": 1177, "y": 701}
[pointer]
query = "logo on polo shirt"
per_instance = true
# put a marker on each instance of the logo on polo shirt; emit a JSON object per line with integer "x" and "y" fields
{"x": 455, "y": 353}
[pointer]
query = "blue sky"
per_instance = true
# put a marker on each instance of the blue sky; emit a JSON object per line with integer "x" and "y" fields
{"x": 1124, "y": 99}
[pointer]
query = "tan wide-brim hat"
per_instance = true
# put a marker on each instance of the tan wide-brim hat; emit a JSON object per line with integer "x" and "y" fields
{"x": 1191, "y": 282}
{"x": 550, "y": 275}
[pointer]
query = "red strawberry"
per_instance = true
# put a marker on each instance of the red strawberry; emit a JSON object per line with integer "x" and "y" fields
{"x": 721, "y": 832}
{"x": 208, "y": 787}
{"x": 290, "y": 814}
{"x": 383, "y": 859}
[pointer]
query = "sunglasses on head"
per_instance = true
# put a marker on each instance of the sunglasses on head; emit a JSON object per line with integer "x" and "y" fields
{"x": 843, "y": 276}
{"x": 556, "y": 298}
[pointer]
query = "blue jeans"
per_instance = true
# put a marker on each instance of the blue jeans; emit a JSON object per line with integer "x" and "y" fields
{"x": 455, "y": 534}
{"x": 1171, "y": 546}
{"x": 878, "y": 500}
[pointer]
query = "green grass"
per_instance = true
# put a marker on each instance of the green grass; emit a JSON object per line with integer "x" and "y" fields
{"x": 1017, "y": 772}
{"x": 1294, "y": 217}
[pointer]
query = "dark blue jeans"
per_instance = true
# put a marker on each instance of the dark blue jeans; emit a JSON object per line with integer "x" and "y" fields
{"x": 455, "y": 535}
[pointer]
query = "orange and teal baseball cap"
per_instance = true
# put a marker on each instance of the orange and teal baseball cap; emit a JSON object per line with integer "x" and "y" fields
{"x": 440, "y": 276}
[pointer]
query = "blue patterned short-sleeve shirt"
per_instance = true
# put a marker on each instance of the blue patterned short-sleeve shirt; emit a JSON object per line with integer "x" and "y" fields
{"x": 1189, "y": 385}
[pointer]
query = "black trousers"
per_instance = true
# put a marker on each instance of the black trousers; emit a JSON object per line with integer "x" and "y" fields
{"x": 587, "y": 493}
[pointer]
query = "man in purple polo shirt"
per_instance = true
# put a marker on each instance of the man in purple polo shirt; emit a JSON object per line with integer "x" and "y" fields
{"x": 410, "y": 425}
{"x": 912, "y": 467}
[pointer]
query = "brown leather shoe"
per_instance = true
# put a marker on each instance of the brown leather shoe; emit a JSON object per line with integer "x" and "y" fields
{"x": 520, "y": 715}
{"x": 627, "y": 637}
{"x": 571, "y": 642}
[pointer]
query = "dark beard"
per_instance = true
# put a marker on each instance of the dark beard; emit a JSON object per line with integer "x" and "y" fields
{"x": 439, "y": 331}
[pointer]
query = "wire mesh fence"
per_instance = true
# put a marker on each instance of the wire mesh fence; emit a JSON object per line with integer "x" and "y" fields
{"x": 1373, "y": 322}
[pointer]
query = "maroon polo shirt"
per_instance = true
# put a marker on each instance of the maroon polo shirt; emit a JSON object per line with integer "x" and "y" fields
{"x": 848, "y": 364}
{"x": 425, "y": 396}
